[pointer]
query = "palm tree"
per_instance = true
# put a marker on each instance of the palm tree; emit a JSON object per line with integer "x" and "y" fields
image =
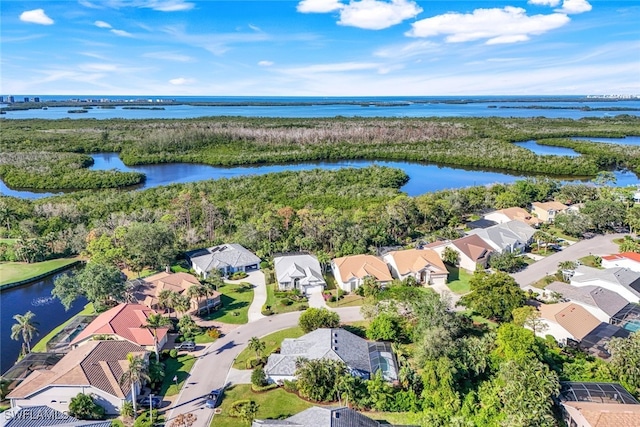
{"x": 182, "y": 304}
{"x": 210, "y": 288}
{"x": 167, "y": 300}
{"x": 25, "y": 328}
{"x": 196, "y": 291}
{"x": 154, "y": 322}
{"x": 136, "y": 373}
{"x": 256, "y": 345}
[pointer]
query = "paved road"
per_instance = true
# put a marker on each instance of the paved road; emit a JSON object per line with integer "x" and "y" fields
{"x": 212, "y": 367}
{"x": 599, "y": 245}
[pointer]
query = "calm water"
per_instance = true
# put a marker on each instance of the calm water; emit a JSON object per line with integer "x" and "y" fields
{"x": 547, "y": 149}
{"x": 629, "y": 140}
{"x": 37, "y": 298}
{"x": 424, "y": 178}
{"x": 434, "y": 107}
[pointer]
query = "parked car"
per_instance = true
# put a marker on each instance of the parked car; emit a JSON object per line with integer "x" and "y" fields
{"x": 155, "y": 402}
{"x": 212, "y": 399}
{"x": 187, "y": 345}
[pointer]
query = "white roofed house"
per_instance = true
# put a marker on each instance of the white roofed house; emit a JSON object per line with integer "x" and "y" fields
{"x": 227, "y": 258}
{"x": 511, "y": 214}
{"x": 299, "y": 271}
{"x": 623, "y": 281}
{"x": 602, "y": 303}
{"x": 510, "y": 236}
{"x": 350, "y": 271}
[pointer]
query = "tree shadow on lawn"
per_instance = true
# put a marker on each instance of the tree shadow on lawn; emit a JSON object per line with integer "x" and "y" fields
{"x": 228, "y": 305}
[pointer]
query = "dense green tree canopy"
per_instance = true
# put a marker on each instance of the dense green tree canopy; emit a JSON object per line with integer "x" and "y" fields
{"x": 494, "y": 295}
{"x": 315, "y": 318}
{"x": 99, "y": 283}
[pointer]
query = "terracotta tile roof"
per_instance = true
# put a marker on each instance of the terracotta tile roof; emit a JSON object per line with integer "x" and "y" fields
{"x": 572, "y": 317}
{"x": 628, "y": 255}
{"x": 414, "y": 260}
{"x": 606, "y": 414}
{"x": 126, "y": 321}
{"x": 556, "y": 206}
{"x": 361, "y": 266}
{"x": 147, "y": 290}
{"x": 98, "y": 363}
{"x": 520, "y": 214}
{"x": 473, "y": 247}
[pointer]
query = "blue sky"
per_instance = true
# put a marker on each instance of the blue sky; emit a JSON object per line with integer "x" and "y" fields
{"x": 319, "y": 47}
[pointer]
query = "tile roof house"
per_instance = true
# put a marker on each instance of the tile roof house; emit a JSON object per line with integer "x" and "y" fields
{"x": 586, "y": 404}
{"x": 147, "y": 290}
{"x": 44, "y": 416}
{"x": 623, "y": 281}
{"x": 424, "y": 265}
{"x": 510, "y": 236}
{"x": 298, "y": 271}
{"x": 321, "y": 417}
{"x": 547, "y": 211}
{"x": 630, "y": 260}
{"x": 600, "y": 302}
{"x": 123, "y": 322}
{"x": 228, "y": 258}
{"x": 95, "y": 367}
{"x": 363, "y": 358}
{"x": 350, "y": 271}
{"x": 513, "y": 214}
{"x": 473, "y": 251}
{"x": 566, "y": 321}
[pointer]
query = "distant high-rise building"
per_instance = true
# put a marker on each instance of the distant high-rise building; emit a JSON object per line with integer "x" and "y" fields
{"x": 36, "y": 99}
{"x": 26, "y": 99}
{"x": 12, "y": 99}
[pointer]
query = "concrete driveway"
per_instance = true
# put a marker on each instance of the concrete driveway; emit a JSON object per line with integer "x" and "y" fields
{"x": 212, "y": 367}
{"x": 256, "y": 278}
{"x": 599, "y": 245}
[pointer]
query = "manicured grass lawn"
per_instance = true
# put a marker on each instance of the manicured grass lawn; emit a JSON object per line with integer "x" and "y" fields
{"x": 482, "y": 320}
{"x": 590, "y": 261}
{"x": 273, "y": 404}
{"x": 11, "y": 272}
{"x": 41, "y": 346}
{"x": 272, "y": 342}
{"x": 458, "y": 280}
{"x": 203, "y": 338}
{"x": 542, "y": 283}
{"x": 351, "y": 300}
{"x": 180, "y": 366}
{"x": 331, "y": 282}
{"x": 394, "y": 418}
{"x": 359, "y": 327}
{"x": 558, "y": 233}
{"x": 236, "y": 299}
{"x": 278, "y": 308}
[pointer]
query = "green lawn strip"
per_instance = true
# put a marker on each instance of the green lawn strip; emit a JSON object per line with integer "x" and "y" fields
{"x": 394, "y": 418}
{"x": 351, "y": 300}
{"x": 272, "y": 342}
{"x": 479, "y": 319}
{"x": 331, "y": 282}
{"x": 236, "y": 299}
{"x": 179, "y": 367}
{"x": 554, "y": 231}
{"x": 591, "y": 261}
{"x": 203, "y": 338}
{"x": 275, "y": 302}
{"x": 542, "y": 283}
{"x": 41, "y": 346}
{"x": 273, "y": 404}
{"x": 8, "y": 242}
{"x": 458, "y": 280}
{"x": 11, "y": 272}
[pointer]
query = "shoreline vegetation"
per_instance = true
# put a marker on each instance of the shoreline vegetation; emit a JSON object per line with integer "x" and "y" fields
{"x": 52, "y": 154}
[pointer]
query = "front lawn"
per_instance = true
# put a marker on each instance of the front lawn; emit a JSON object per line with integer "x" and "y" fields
{"x": 458, "y": 280}
{"x": 394, "y": 418}
{"x": 272, "y": 342}
{"x": 592, "y": 261}
{"x": 276, "y": 303}
{"x": 11, "y": 272}
{"x": 180, "y": 367}
{"x": 480, "y": 320}
{"x": 273, "y": 404}
{"x": 236, "y": 299}
{"x": 41, "y": 346}
{"x": 351, "y": 300}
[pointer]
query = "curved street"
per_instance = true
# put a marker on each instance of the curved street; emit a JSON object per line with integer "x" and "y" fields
{"x": 214, "y": 362}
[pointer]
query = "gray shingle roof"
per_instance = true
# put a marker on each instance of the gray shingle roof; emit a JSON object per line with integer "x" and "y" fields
{"x": 506, "y": 234}
{"x": 300, "y": 266}
{"x": 608, "y": 301}
{"x": 221, "y": 256}
{"x": 43, "y": 416}
{"x": 322, "y": 417}
{"x": 617, "y": 275}
{"x": 337, "y": 344}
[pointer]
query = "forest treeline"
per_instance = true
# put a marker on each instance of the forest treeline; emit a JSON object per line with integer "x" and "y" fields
{"x": 225, "y": 141}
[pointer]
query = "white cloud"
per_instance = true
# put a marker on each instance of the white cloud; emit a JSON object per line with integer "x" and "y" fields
{"x": 170, "y": 5}
{"x": 169, "y": 56}
{"x": 181, "y": 81}
{"x": 407, "y": 50}
{"x": 319, "y": 6}
{"x": 338, "y": 67}
{"x": 574, "y": 6}
{"x": 36, "y": 16}
{"x": 508, "y": 25}
{"x": 121, "y": 33}
{"x": 254, "y": 27}
{"x": 102, "y": 24}
{"x": 159, "y": 5}
{"x": 552, "y": 3}
{"x": 377, "y": 15}
{"x": 265, "y": 63}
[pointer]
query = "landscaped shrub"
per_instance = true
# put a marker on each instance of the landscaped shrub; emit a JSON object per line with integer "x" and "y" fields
{"x": 341, "y": 293}
{"x": 333, "y": 298}
{"x": 244, "y": 409}
{"x": 173, "y": 353}
{"x": 254, "y": 362}
{"x": 238, "y": 275}
{"x": 290, "y": 386}
{"x": 264, "y": 264}
{"x": 303, "y": 307}
{"x": 286, "y": 301}
{"x": 117, "y": 423}
{"x": 267, "y": 311}
{"x": 146, "y": 419}
{"x": 258, "y": 377}
{"x": 213, "y": 333}
{"x": 264, "y": 387}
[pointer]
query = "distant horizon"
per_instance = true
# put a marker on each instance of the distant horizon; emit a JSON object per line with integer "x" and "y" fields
{"x": 106, "y": 96}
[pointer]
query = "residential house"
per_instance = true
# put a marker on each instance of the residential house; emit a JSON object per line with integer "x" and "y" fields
{"x": 95, "y": 368}
{"x": 623, "y": 281}
{"x": 547, "y": 211}
{"x": 299, "y": 271}
{"x": 228, "y": 259}
{"x": 566, "y": 321}
{"x": 321, "y": 417}
{"x": 44, "y": 416}
{"x": 123, "y": 322}
{"x": 600, "y": 302}
{"x": 147, "y": 290}
{"x": 350, "y": 271}
{"x": 424, "y": 265}
{"x": 596, "y": 342}
{"x": 472, "y": 250}
{"x": 511, "y": 236}
{"x": 363, "y": 358}
{"x": 630, "y": 260}
{"x": 598, "y": 405}
{"x": 513, "y": 214}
